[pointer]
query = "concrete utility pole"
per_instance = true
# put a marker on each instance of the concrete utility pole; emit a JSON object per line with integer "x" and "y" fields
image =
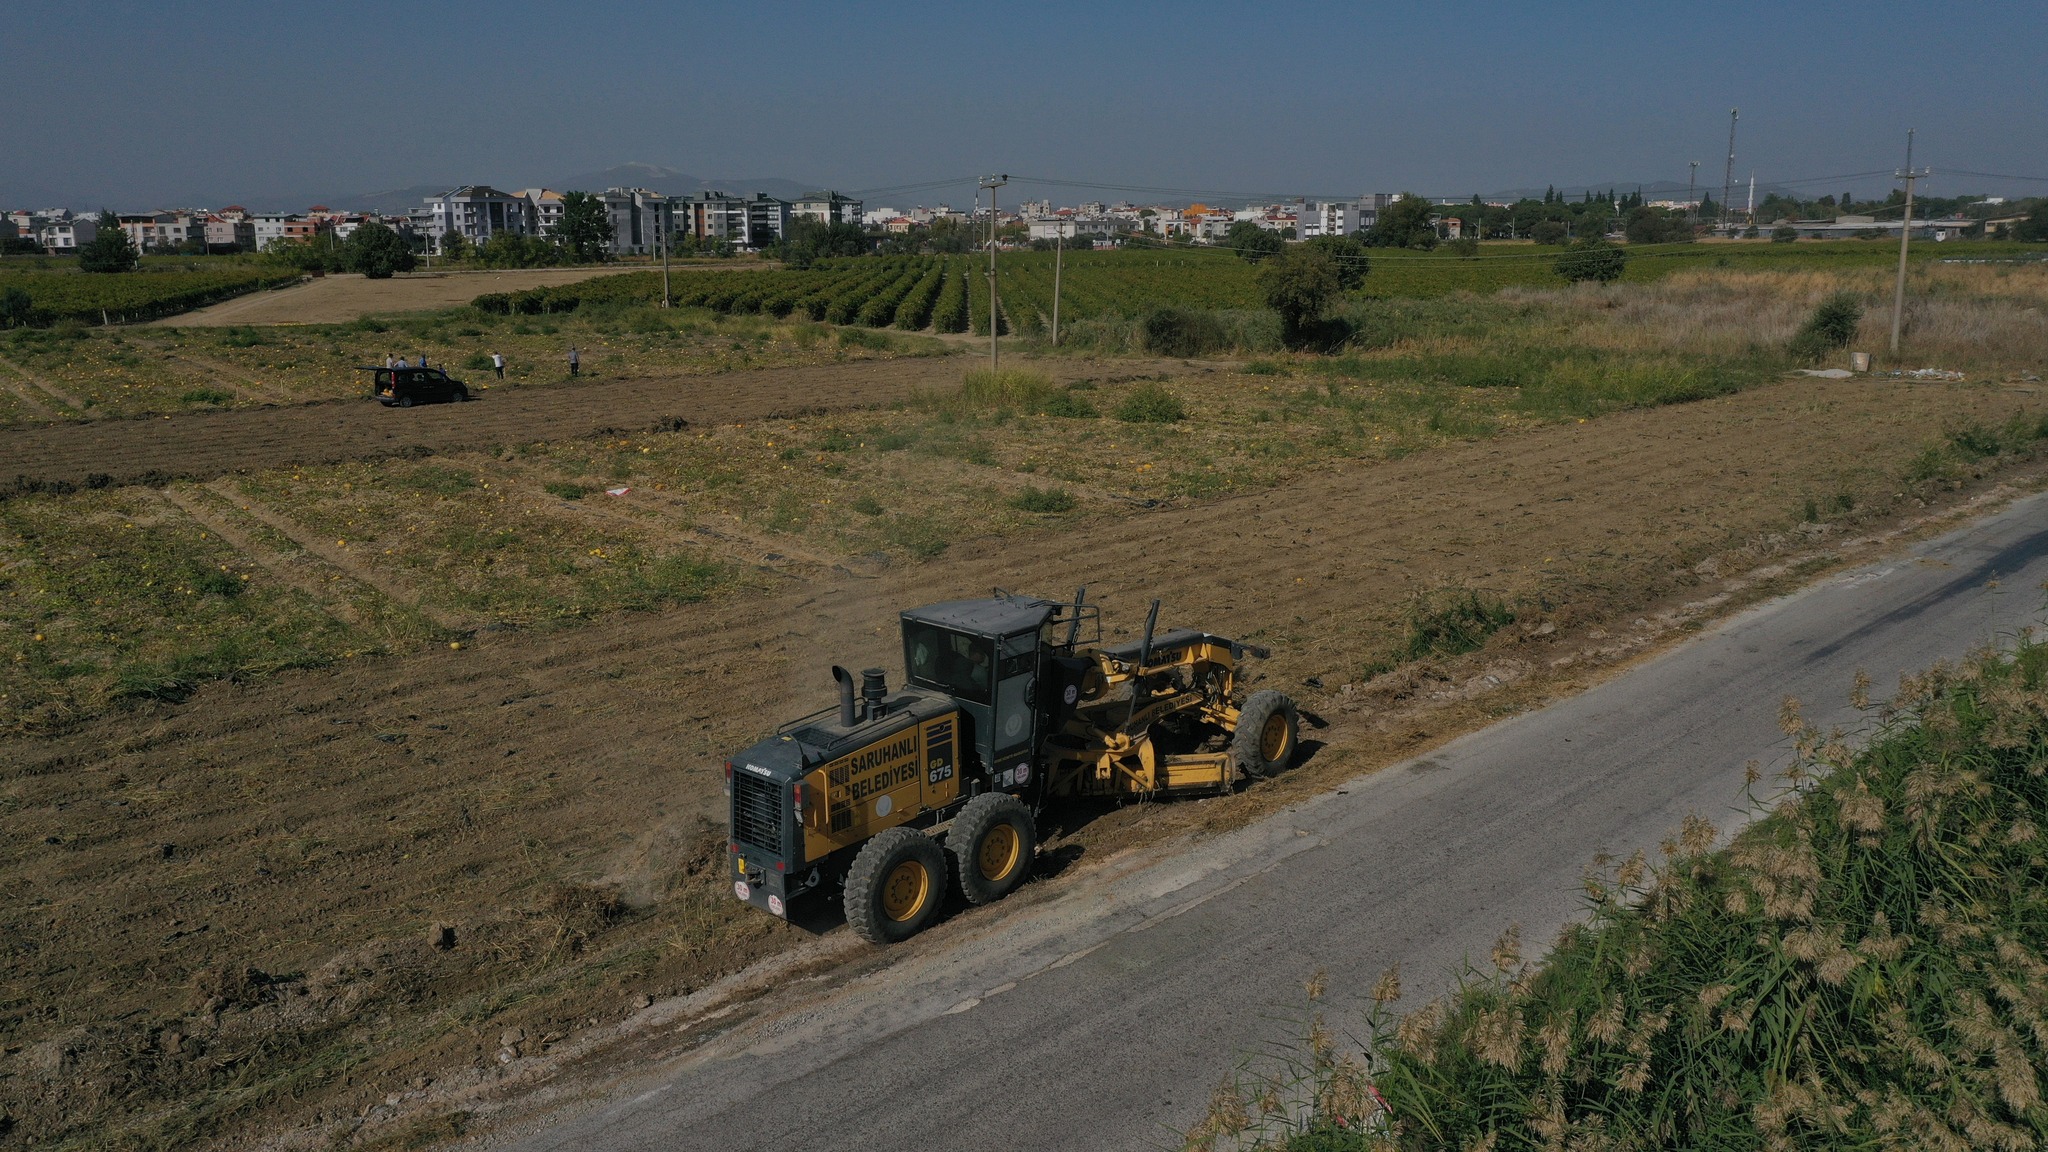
{"x": 1059, "y": 251}
{"x": 661, "y": 224}
{"x": 1692, "y": 204}
{"x": 1905, "y": 234}
{"x": 994, "y": 315}
{"x": 1728, "y": 176}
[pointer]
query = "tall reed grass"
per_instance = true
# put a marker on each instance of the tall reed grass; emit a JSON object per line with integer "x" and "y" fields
{"x": 1864, "y": 967}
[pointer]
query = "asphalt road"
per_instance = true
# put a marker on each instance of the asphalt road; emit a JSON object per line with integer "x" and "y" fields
{"x": 1102, "y": 1019}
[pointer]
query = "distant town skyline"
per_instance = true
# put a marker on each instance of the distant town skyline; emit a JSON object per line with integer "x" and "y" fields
{"x": 284, "y": 105}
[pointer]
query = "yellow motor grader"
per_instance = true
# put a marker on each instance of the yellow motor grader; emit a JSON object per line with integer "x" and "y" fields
{"x": 1007, "y": 706}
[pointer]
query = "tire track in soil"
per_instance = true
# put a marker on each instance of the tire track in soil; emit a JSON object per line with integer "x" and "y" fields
{"x": 339, "y": 556}
{"x": 37, "y": 381}
{"x": 269, "y": 559}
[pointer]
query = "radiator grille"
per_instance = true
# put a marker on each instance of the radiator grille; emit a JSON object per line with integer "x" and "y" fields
{"x": 757, "y": 812}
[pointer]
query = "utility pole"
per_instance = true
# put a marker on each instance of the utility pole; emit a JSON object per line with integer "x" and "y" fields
{"x": 1692, "y": 204}
{"x": 1905, "y": 233}
{"x": 1059, "y": 251}
{"x": 1728, "y": 176}
{"x": 994, "y": 316}
{"x": 662, "y": 223}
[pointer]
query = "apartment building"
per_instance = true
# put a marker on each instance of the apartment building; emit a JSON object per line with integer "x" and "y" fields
{"x": 828, "y": 207}
{"x": 640, "y": 219}
{"x": 478, "y": 212}
{"x": 162, "y": 230}
{"x": 767, "y": 220}
{"x": 267, "y": 228}
{"x": 225, "y": 234}
{"x": 715, "y": 216}
{"x": 547, "y": 209}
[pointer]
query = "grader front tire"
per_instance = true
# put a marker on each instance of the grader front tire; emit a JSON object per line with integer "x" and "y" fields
{"x": 896, "y": 887}
{"x": 1268, "y": 735}
{"x": 992, "y": 843}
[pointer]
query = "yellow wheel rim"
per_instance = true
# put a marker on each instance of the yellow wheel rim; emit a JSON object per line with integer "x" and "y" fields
{"x": 998, "y": 852}
{"x": 1273, "y": 738}
{"x": 905, "y": 891}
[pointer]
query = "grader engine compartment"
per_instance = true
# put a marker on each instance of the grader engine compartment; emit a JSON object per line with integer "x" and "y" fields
{"x": 1010, "y": 703}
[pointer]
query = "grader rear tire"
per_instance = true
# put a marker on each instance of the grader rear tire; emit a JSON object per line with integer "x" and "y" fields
{"x": 1268, "y": 734}
{"x": 992, "y": 843}
{"x": 896, "y": 887}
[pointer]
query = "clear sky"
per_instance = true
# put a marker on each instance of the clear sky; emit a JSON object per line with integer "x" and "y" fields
{"x": 142, "y": 105}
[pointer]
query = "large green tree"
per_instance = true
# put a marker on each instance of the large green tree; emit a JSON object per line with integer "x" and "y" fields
{"x": 377, "y": 252}
{"x": 586, "y": 228}
{"x": 1347, "y": 257}
{"x": 1592, "y": 260}
{"x": 110, "y": 249}
{"x": 1251, "y": 242}
{"x": 811, "y": 239}
{"x": 1405, "y": 223}
{"x": 1300, "y": 284}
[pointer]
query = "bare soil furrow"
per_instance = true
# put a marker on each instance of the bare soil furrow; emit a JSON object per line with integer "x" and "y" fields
{"x": 193, "y": 504}
{"x": 49, "y": 389}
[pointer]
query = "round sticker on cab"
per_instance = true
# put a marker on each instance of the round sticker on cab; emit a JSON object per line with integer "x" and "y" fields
{"x": 884, "y": 806}
{"x": 1072, "y": 693}
{"x": 740, "y": 889}
{"x": 775, "y": 905}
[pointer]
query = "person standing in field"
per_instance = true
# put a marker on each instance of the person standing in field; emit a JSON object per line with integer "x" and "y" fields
{"x": 575, "y": 361}
{"x": 498, "y": 363}
{"x": 389, "y": 362}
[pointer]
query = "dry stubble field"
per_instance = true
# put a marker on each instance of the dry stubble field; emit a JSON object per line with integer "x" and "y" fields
{"x": 226, "y": 894}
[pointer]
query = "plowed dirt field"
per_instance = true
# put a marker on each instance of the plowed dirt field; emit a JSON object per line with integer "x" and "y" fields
{"x": 340, "y": 298}
{"x": 269, "y": 856}
{"x": 198, "y": 446}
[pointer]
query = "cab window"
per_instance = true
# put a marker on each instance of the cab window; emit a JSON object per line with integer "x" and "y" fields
{"x": 948, "y": 661}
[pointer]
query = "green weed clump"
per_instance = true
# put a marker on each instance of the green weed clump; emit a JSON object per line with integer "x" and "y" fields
{"x": 1043, "y": 500}
{"x": 1865, "y": 967}
{"x": 1453, "y": 624}
{"x": 1010, "y": 390}
{"x": 1150, "y": 403}
{"x": 1830, "y": 328}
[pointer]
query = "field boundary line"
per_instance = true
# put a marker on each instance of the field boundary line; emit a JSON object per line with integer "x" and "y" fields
{"x": 236, "y": 381}
{"x": 338, "y": 556}
{"x": 264, "y": 557}
{"x": 43, "y": 384}
{"x": 29, "y": 398}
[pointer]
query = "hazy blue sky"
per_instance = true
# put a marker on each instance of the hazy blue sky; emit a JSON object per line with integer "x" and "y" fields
{"x": 138, "y": 105}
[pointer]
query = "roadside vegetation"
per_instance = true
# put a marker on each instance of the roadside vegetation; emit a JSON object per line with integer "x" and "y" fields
{"x": 1864, "y": 966}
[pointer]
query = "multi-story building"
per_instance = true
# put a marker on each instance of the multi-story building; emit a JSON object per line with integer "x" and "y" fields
{"x": 478, "y": 212}
{"x": 828, "y": 207}
{"x": 230, "y": 235}
{"x": 715, "y": 216}
{"x": 267, "y": 228}
{"x": 640, "y": 219}
{"x": 1332, "y": 218}
{"x": 547, "y": 209}
{"x": 161, "y": 230}
{"x": 767, "y": 220}
{"x": 58, "y": 237}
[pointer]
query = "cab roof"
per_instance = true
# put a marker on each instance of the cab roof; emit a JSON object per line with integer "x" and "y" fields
{"x": 996, "y": 616}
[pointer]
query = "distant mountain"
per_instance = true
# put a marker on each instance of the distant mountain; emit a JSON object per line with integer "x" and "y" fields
{"x": 670, "y": 182}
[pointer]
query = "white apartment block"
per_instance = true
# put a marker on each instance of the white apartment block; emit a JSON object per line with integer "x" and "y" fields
{"x": 640, "y": 220}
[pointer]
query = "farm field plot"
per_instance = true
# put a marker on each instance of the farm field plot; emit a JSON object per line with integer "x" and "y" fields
{"x": 58, "y": 294}
{"x": 127, "y": 372}
{"x": 484, "y": 684}
{"x": 1130, "y": 282}
{"x": 539, "y": 785}
{"x": 339, "y": 298}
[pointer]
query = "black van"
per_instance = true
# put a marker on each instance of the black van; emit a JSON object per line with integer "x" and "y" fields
{"x": 406, "y": 387}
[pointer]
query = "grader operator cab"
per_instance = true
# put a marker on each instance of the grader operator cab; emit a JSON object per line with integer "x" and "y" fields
{"x": 1008, "y": 705}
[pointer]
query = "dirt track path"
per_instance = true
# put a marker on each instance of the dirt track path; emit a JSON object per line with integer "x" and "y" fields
{"x": 202, "y": 446}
